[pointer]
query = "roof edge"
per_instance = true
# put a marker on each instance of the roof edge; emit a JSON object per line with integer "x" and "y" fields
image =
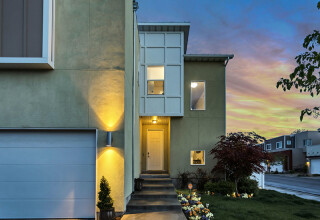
{"x": 208, "y": 57}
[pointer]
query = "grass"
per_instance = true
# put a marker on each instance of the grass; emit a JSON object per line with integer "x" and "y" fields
{"x": 268, "y": 204}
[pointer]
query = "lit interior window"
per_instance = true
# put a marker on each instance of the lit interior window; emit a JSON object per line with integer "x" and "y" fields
{"x": 155, "y": 78}
{"x": 198, "y": 95}
{"x": 198, "y": 157}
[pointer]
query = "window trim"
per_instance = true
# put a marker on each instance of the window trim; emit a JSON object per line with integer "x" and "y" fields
{"x": 204, "y": 158}
{"x": 277, "y": 145}
{"x": 267, "y": 146}
{"x": 205, "y": 96}
{"x": 47, "y": 59}
{"x": 164, "y": 77}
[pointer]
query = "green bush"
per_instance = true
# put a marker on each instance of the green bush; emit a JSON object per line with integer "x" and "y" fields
{"x": 247, "y": 185}
{"x": 222, "y": 187}
{"x": 105, "y": 201}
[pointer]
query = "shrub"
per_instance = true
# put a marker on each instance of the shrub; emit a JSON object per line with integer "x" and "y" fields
{"x": 247, "y": 185}
{"x": 222, "y": 187}
{"x": 201, "y": 177}
{"x": 184, "y": 178}
{"x": 105, "y": 201}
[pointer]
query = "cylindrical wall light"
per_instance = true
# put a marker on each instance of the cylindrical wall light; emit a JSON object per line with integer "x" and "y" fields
{"x": 109, "y": 139}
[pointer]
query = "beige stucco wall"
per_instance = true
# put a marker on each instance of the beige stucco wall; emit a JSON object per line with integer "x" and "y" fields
{"x": 86, "y": 88}
{"x": 199, "y": 130}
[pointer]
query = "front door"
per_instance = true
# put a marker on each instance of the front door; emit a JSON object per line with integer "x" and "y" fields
{"x": 155, "y": 149}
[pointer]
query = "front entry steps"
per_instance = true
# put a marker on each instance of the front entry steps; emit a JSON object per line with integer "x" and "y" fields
{"x": 158, "y": 194}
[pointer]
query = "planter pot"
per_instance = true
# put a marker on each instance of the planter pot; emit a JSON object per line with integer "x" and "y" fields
{"x": 107, "y": 214}
{"x": 138, "y": 184}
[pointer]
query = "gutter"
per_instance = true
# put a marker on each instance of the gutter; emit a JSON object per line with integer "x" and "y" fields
{"x": 135, "y": 8}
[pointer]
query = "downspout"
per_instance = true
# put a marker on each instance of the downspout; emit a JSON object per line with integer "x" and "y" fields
{"x": 135, "y": 8}
{"x": 225, "y": 96}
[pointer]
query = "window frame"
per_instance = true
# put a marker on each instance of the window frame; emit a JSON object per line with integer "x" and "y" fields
{"x": 147, "y": 80}
{"x": 204, "y": 158}
{"x": 205, "y": 96}
{"x": 290, "y": 142}
{"x": 267, "y": 146}
{"x": 47, "y": 59}
{"x": 279, "y": 142}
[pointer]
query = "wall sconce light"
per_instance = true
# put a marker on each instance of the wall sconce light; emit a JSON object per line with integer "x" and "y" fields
{"x": 109, "y": 139}
{"x": 154, "y": 121}
{"x": 194, "y": 85}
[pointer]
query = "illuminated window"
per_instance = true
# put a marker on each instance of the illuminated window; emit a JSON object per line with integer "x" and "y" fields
{"x": 198, "y": 95}
{"x": 198, "y": 157}
{"x": 288, "y": 142}
{"x": 155, "y": 78}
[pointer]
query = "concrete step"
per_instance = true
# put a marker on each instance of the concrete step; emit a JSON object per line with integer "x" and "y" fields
{"x": 161, "y": 186}
{"x": 157, "y": 180}
{"x": 161, "y": 204}
{"x": 153, "y": 194}
{"x": 154, "y": 172}
{"x": 146, "y": 176}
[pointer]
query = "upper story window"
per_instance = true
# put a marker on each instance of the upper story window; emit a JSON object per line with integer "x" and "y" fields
{"x": 288, "y": 142}
{"x": 155, "y": 78}
{"x": 268, "y": 146}
{"x": 26, "y": 33}
{"x": 278, "y": 145}
{"x": 307, "y": 142}
{"x": 198, "y": 95}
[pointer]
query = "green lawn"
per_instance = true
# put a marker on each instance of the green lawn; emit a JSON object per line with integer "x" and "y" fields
{"x": 267, "y": 205}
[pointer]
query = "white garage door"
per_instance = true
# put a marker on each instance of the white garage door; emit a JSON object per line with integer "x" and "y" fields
{"x": 47, "y": 174}
{"x": 315, "y": 166}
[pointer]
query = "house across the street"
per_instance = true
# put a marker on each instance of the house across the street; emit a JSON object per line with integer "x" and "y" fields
{"x": 87, "y": 92}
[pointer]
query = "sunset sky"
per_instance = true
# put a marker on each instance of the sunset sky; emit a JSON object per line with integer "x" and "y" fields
{"x": 264, "y": 36}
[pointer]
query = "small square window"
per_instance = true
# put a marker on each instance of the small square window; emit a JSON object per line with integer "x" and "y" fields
{"x": 268, "y": 146}
{"x": 198, "y": 157}
{"x": 279, "y": 145}
{"x": 198, "y": 95}
{"x": 155, "y": 78}
{"x": 288, "y": 142}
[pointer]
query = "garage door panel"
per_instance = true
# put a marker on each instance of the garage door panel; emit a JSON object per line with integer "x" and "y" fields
{"x": 47, "y": 172}
{"x": 47, "y": 155}
{"x": 27, "y": 139}
{"x": 315, "y": 166}
{"x": 43, "y": 190}
{"x": 47, "y": 208}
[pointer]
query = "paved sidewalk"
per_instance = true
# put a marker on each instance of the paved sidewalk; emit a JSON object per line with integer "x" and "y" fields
{"x": 165, "y": 215}
{"x": 296, "y": 193}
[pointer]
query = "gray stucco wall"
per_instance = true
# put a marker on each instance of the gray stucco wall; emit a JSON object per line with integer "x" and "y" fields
{"x": 199, "y": 129}
{"x": 86, "y": 88}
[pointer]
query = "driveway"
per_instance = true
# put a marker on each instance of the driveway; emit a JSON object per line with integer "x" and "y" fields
{"x": 308, "y": 186}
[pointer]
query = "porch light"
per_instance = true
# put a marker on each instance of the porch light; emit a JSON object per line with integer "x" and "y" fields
{"x": 109, "y": 139}
{"x": 194, "y": 85}
{"x": 154, "y": 121}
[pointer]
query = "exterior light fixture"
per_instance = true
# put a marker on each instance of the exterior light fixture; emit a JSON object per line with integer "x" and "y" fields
{"x": 154, "y": 121}
{"x": 194, "y": 85}
{"x": 109, "y": 139}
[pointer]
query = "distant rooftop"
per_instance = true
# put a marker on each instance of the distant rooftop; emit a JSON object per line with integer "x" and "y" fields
{"x": 167, "y": 27}
{"x": 207, "y": 57}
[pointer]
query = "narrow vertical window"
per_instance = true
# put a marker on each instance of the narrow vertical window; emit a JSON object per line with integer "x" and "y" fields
{"x": 198, "y": 95}
{"x": 155, "y": 78}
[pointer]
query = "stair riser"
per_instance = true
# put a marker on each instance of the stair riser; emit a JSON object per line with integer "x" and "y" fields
{"x": 157, "y": 181}
{"x": 157, "y": 188}
{"x": 155, "y": 172}
{"x": 154, "y": 176}
{"x": 153, "y": 197}
{"x": 152, "y": 208}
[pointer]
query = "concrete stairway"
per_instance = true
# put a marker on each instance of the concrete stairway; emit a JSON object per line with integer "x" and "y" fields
{"x": 158, "y": 194}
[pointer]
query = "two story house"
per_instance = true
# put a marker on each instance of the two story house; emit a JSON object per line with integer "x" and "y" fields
{"x": 86, "y": 91}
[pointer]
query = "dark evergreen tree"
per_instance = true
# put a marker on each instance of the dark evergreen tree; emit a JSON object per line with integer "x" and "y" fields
{"x": 105, "y": 201}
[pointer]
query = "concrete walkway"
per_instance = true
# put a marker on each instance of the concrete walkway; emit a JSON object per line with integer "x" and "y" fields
{"x": 165, "y": 215}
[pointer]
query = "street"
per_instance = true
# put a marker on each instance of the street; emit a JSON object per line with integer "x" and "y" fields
{"x": 305, "y": 187}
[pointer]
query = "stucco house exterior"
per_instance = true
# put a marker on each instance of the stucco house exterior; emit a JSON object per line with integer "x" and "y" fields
{"x": 83, "y": 97}
{"x": 296, "y": 151}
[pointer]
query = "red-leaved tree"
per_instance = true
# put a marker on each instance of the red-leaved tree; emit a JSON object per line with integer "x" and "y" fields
{"x": 239, "y": 155}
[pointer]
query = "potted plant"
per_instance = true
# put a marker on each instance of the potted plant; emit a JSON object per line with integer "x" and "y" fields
{"x": 105, "y": 203}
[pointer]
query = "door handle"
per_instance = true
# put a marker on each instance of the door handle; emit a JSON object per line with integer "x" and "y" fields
{"x": 148, "y": 155}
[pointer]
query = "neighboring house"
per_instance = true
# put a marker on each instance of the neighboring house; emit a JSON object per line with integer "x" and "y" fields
{"x": 291, "y": 149}
{"x": 313, "y": 159}
{"x": 86, "y": 92}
